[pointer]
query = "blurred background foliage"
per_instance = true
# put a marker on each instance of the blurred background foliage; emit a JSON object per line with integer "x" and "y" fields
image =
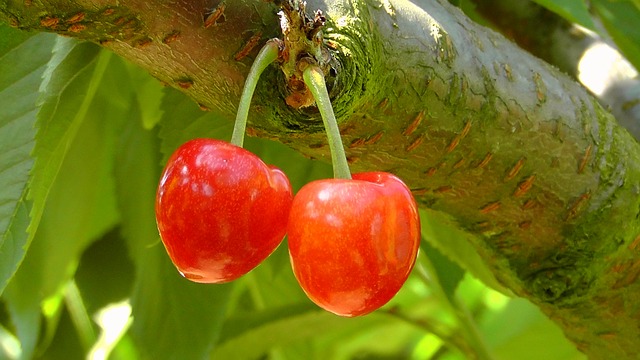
{"x": 83, "y": 138}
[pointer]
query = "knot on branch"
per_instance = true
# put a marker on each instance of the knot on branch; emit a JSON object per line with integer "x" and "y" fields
{"x": 303, "y": 43}
{"x": 561, "y": 286}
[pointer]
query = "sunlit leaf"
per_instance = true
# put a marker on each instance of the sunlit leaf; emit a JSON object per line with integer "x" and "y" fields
{"x": 51, "y": 145}
{"x": 9, "y": 345}
{"x": 80, "y": 206}
{"x": 72, "y": 186}
{"x": 65, "y": 343}
{"x": 68, "y": 88}
{"x": 22, "y": 62}
{"x": 521, "y": 331}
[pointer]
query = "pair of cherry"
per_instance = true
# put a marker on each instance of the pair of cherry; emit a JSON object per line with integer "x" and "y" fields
{"x": 221, "y": 211}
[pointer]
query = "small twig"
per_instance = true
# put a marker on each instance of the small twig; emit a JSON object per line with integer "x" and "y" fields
{"x": 437, "y": 329}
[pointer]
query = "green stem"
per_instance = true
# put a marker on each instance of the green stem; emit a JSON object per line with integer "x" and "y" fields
{"x": 435, "y": 328}
{"x": 79, "y": 315}
{"x": 314, "y": 79}
{"x": 267, "y": 55}
{"x": 474, "y": 334}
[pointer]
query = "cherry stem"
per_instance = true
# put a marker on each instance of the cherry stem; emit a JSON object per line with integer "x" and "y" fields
{"x": 267, "y": 55}
{"x": 314, "y": 79}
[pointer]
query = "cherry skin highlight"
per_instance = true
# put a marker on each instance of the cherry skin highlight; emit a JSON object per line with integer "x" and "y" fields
{"x": 353, "y": 243}
{"x": 220, "y": 210}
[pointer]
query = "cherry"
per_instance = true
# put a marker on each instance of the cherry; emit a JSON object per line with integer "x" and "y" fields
{"x": 353, "y": 243}
{"x": 352, "y": 240}
{"x": 220, "y": 210}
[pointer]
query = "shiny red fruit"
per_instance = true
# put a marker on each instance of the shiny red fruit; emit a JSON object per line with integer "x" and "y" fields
{"x": 220, "y": 210}
{"x": 354, "y": 242}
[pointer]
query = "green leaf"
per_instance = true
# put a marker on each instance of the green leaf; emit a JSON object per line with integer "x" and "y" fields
{"x": 449, "y": 274}
{"x": 79, "y": 209}
{"x": 14, "y": 240}
{"x": 68, "y": 88}
{"x": 80, "y": 205}
{"x": 251, "y": 335}
{"x": 454, "y": 243}
{"x": 137, "y": 176}
{"x": 149, "y": 94}
{"x": 76, "y": 196}
{"x": 27, "y": 325}
{"x": 105, "y": 272}
{"x": 575, "y": 11}
{"x": 66, "y": 343}
{"x": 22, "y": 63}
{"x": 58, "y": 122}
{"x": 621, "y": 19}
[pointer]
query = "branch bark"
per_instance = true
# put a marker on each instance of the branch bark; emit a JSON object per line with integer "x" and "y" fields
{"x": 558, "y": 42}
{"x": 505, "y": 146}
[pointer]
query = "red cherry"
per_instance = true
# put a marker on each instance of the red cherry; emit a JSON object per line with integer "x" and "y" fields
{"x": 354, "y": 242}
{"x": 220, "y": 210}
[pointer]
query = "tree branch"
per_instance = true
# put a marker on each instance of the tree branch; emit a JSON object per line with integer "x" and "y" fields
{"x": 511, "y": 150}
